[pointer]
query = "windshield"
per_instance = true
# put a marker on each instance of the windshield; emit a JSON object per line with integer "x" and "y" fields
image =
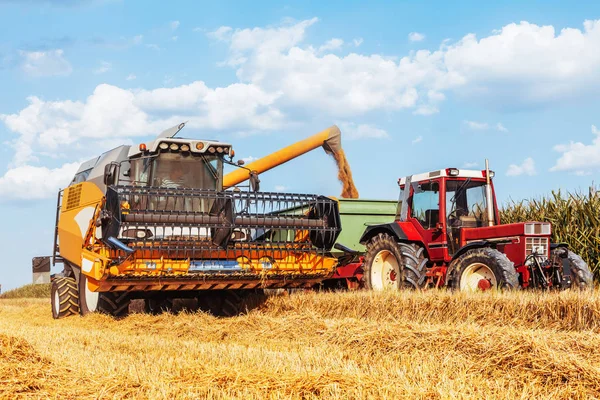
{"x": 466, "y": 203}
{"x": 175, "y": 170}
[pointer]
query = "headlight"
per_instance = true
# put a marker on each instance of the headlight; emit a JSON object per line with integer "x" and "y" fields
{"x": 174, "y": 147}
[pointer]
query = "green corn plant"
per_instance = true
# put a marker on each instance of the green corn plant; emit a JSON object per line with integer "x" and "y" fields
{"x": 575, "y": 219}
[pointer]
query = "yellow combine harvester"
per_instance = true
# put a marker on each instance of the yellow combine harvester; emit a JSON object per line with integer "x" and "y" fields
{"x": 156, "y": 222}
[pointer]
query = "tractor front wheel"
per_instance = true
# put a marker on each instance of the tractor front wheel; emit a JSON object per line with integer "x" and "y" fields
{"x": 581, "y": 276}
{"x": 483, "y": 269}
{"x": 64, "y": 297}
{"x": 390, "y": 265}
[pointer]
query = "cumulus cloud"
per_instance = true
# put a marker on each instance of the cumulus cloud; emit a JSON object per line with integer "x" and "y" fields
{"x": 477, "y": 126}
{"x": 525, "y": 168}
{"x": 104, "y": 67}
{"x": 45, "y": 63}
{"x": 353, "y": 131}
{"x": 519, "y": 64}
{"x": 416, "y": 37}
{"x": 579, "y": 157}
{"x": 112, "y": 112}
{"x": 33, "y": 183}
{"x": 332, "y": 45}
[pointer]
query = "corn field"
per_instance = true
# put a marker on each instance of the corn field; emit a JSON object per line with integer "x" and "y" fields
{"x": 575, "y": 219}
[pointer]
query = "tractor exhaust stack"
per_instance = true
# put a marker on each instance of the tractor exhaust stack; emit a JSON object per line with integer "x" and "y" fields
{"x": 488, "y": 194}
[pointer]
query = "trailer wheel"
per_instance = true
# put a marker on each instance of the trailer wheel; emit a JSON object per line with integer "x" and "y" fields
{"x": 64, "y": 297}
{"x": 158, "y": 305}
{"x": 582, "y": 277}
{"x": 111, "y": 303}
{"x": 392, "y": 265}
{"x": 483, "y": 269}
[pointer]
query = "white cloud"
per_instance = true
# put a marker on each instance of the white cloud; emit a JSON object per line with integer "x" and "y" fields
{"x": 357, "y": 42}
{"x": 153, "y": 46}
{"x": 470, "y": 165}
{"x": 138, "y": 39}
{"x": 418, "y": 139}
{"x": 477, "y": 126}
{"x": 331, "y": 45}
{"x": 104, "y": 67}
{"x": 526, "y": 168}
{"x": 174, "y": 25}
{"x": 416, "y": 37}
{"x": 112, "y": 112}
{"x": 579, "y": 157}
{"x": 174, "y": 38}
{"x": 353, "y": 131}
{"x": 519, "y": 64}
{"x": 249, "y": 159}
{"x": 131, "y": 77}
{"x": 501, "y": 128}
{"x": 45, "y": 63}
{"x": 281, "y": 188}
{"x": 33, "y": 183}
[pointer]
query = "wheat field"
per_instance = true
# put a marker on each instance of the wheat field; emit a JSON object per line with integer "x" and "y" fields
{"x": 354, "y": 345}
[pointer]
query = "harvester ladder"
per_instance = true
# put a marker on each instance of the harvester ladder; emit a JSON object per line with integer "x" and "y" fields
{"x": 55, "y": 252}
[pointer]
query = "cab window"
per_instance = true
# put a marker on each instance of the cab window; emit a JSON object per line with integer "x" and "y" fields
{"x": 425, "y": 206}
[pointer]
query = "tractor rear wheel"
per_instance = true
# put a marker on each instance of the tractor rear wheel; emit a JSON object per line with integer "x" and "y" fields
{"x": 64, "y": 297}
{"x": 111, "y": 303}
{"x": 483, "y": 269}
{"x": 581, "y": 276}
{"x": 390, "y": 265}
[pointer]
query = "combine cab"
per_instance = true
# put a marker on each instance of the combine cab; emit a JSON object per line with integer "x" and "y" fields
{"x": 447, "y": 232}
{"x": 154, "y": 222}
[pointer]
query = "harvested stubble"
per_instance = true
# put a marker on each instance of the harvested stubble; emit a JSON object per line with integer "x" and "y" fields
{"x": 327, "y": 345}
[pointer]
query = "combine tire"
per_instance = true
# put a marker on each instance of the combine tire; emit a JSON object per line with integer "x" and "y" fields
{"x": 392, "y": 265}
{"x": 224, "y": 303}
{"x": 111, "y": 303}
{"x": 158, "y": 305}
{"x": 483, "y": 269}
{"x": 64, "y": 297}
{"x": 581, "y": 276}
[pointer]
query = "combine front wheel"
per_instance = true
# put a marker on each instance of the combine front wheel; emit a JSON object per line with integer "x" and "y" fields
{"x": 111, "y": 303}
{"x": 392, "y": 265}
{"x": 64, "y": 297}
{"x": 483, "y": 269}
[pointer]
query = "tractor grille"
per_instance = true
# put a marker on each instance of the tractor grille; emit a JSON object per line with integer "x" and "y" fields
{"x": 538, "y": 245}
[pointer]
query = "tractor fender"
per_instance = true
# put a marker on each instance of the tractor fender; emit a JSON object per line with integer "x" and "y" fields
{"x": 473, "y": 245}
{"x": 392, "y": 229}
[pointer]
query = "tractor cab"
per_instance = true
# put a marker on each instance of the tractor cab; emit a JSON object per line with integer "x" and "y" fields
{"x": 442, "y": 203}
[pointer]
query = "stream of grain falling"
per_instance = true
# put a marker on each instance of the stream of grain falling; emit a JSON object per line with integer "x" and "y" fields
{"x": 345, "y": 175}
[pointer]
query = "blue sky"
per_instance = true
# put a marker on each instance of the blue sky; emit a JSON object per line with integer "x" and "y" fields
{"x": 414, "y": 86}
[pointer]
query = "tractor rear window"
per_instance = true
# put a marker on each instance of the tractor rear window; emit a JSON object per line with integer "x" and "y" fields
{"x": 425, "y": 204}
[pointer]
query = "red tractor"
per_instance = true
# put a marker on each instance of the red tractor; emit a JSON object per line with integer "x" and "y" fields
{"x": 447, "y": 232}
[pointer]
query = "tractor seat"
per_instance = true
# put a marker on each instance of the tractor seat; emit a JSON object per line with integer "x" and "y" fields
{"x": 467, "y": 221}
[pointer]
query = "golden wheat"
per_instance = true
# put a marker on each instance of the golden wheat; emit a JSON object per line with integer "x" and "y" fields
{"x": 314, "y": 345}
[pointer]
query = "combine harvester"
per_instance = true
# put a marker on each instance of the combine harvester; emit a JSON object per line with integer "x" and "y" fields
{"x": 155, "y": 222}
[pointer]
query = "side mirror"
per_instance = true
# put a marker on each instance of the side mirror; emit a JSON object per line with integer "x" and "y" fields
{"x": 241, "y": 162}
{"x": 254, "y": 181}
{"x": 111, "y": 173}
